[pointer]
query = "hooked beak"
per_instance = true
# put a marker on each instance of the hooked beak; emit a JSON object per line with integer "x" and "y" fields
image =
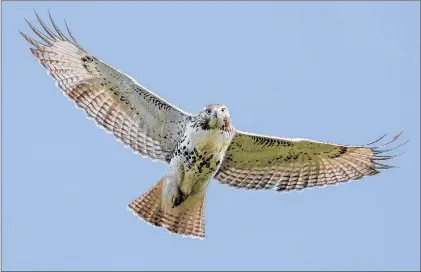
{"x": 215, "y": 120}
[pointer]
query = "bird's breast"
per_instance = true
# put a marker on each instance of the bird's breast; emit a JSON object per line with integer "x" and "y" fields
{"x": 210, "y": 142}
{"x": 202, "y": 153}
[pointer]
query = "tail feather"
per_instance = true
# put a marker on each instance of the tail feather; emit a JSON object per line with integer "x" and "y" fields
{"x": 186, "y": 219}
{"x": 148, "y": 206}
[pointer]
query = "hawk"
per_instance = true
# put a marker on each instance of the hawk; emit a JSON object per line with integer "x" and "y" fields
{"x": 197, "y": 147}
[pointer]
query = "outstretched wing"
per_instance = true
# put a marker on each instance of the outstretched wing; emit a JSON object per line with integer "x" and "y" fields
{"x": 255, "y": 161}
{"x": 137, "y": 117}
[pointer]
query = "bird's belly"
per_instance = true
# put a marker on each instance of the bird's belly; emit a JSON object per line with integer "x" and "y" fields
{"x": 194, "y": 182}
{"x": 202, "y": 162}
{"x": 198, "y": 173}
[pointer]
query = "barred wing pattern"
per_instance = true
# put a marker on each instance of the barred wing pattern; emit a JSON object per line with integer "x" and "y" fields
{"x": 255, "y": 161}
{"x": 134, "y": 115}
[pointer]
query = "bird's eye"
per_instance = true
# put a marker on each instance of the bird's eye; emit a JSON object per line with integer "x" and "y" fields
{"x": 208, "y": 111}
{"x": 223, "y": 109}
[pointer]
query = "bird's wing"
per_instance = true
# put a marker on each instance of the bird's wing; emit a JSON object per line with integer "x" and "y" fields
{"x": 255, "y": 161}
{"x": 134, "y": 115}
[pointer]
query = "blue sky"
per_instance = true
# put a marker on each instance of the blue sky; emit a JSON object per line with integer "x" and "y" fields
{"x": 340, "y": 72}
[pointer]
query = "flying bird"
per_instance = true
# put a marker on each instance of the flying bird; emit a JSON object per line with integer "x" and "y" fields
{"x": 197, "y": 147}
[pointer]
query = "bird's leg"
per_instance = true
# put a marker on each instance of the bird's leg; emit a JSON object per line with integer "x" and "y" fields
{"x": 174, "y": 194}
{"x": 179, "y": 198}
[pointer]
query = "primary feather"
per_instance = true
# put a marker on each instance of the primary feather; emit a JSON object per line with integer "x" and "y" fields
{"x": 136, "y": 116}
{"x": 255, "y": 161}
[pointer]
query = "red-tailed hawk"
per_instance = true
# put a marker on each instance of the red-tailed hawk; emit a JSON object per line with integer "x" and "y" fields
{"x": 196, "y": 147}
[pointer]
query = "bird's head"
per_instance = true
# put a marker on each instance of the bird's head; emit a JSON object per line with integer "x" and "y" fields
{"x": 215, "y": 116}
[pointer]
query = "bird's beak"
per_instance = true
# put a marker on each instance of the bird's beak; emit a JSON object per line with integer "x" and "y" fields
{"x": 215, "y": 120}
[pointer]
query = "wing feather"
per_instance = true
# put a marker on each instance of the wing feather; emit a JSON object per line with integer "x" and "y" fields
{"x": 255, "y": 161}
{"x": 137, "y": 117}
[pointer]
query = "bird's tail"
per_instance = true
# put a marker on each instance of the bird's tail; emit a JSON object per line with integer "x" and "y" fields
{"x": 186, "y": 219}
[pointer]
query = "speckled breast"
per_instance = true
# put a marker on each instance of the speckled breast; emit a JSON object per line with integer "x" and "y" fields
{"x": 202, "y": 153}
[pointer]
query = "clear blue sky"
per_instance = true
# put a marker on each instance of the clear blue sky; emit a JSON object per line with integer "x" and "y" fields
{"x": 339, "y": 72}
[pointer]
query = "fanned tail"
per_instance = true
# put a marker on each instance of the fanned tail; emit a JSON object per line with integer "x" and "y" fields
{"x": 186, "y": 219}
